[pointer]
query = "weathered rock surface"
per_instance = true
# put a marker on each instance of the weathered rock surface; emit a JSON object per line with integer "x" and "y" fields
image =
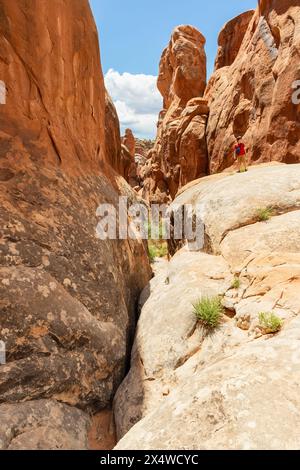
{"x": 227, "y": 202}
{"x": 55, "y": 346}
{"x": 119, "y": 155}
{"x": 167, "y": 335}
{"x": 129, "y": 141}
{"x": 190, "y": 390}
{"x": 179, "y": 154}
{"x": 280, "y": 233}
{"x": 43, "y": 425}
{"x": 252, "y": 96}
{"x": 269, "y": 283}
{"x": 67, "y": 298}
{"x": 102, "y": 434}
{"x": 113, "y": 139}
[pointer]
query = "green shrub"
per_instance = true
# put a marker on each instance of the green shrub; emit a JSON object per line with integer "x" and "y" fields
{"x": 209, "y": 311}
{"x": 157, "y": 249}
{"x": 236, "y": 283}
{"x": 269, "y": 322}
{"x": 160, "y": 229}
{"x": 264, "y": 213}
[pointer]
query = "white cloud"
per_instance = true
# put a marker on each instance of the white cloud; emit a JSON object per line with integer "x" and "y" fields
{"x": 137, "y": 100}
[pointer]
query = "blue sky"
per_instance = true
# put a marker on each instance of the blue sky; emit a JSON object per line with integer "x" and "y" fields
{"x": 133, "y": 34}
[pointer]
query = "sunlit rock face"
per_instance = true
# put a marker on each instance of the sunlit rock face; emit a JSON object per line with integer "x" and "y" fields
{"x": 67, "y": 298}
{"x": 251, "y": 92}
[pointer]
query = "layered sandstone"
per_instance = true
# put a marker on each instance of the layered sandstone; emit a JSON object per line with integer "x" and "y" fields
{"x": 188, "y": 389}
{"x": 67, "y": 298}
{"x": 179, "y": 154}
{"x": 252, "y": 96}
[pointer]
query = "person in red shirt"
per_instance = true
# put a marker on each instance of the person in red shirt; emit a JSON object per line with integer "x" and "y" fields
{"x": 240, "y": 155}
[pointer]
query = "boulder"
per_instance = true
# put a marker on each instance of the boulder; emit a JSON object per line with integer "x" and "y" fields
{"x": 43, "y": 425}
{"x": 229, "y": 201}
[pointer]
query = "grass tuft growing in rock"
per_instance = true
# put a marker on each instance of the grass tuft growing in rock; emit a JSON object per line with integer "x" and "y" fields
{"x": 157, "y": 249}
{"x": 264, "y": 213}
{"x": 209, "y": 312}
{"x": 236, "y": 283}
{"x": 269, "y": 322}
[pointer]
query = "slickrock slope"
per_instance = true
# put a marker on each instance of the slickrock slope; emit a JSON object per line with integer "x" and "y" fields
{"x": 179, "y": 154}
{"x": 252, "y": 96}
{"x": 238, "y": 387}
{"x": 67, "y": 299}
{"x": 142, "y": 147}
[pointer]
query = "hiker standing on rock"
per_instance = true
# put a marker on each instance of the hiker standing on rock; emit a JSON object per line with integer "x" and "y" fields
{"x": 240, "y": 155}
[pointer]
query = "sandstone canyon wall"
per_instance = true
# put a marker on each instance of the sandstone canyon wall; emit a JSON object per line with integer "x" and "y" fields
{"x": 250, "y": 93}
{"x": 67, "y": 299}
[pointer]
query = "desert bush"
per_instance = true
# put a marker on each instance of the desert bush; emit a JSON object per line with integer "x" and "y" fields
{"x": 264, "y": 213}
{"x": 209, "y": 312}
{"x": 269, "y": 322}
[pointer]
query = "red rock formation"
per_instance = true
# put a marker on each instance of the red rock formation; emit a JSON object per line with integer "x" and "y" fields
{"x": 52, "y": 82}
{"x": 129, "y": 141}
{"x": 179, "y": 153}
{"x": 253, "y": 96}
{"x": 67, "y": 298}
{"x": 129, "y": 170}
{"x": 231, "y": 38}
{"x": 142, "y": 147}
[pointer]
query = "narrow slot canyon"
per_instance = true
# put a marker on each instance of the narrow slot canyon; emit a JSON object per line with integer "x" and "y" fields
{"x": 119, "y": 342}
